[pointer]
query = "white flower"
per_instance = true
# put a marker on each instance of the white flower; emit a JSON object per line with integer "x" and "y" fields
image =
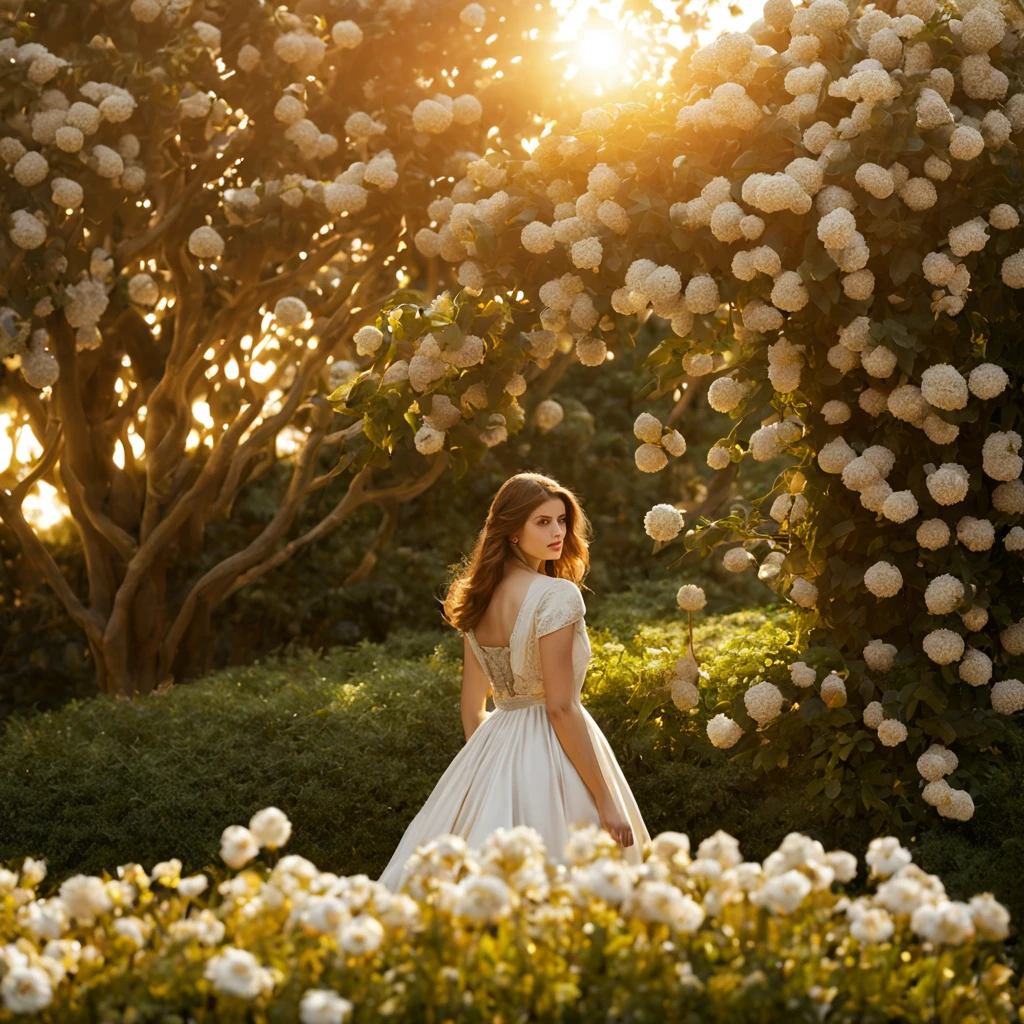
{"x": 31, "y": 169}
{"x": 900, "y": 506}
{"x": 238, "y": 846}
{"x": 270, "y": 827}
{"x": 143, "y": 290}
{"x": 85, "y": 897}
{"x": 650, "y": 458}
{"x": 483, "y": 898}
{"x": 322, "y": 1005}
{"x": 346, "y": 34}
{"x": 785, "y": 892}
{"x": 873, "y": 926}
{"x": 1008, "y": 696}
{"x": 933, "y": 534}
{"x": 725, "y": 394}
{"x": 663, "y": 522}
{"x": 208, "y": 35}
{"x": 431, "y": 117}
{"x": 763, "y": 701}
{"x": 990, "y": 917}
{"x": 891, "y": 732}
{"x": 833, "y": 691}
{"x": 944, "y": 387}
{"x": 879, "y": 655}
{"x": 690, "y": 598}
{"x": 987, "y": 381}
{"x": 802, "y": 674}
{"x": 943, "y": 646}
{"x": 975, "y": 667}
{"x": 367, "y": 340}
{"x": 718, "y": 457}
{"x": 290, "y": 311}
{"x": 362, "y": 935}
{"x": 548, "y": 414}
{"x": 193, "y": 885}
{"x": 27, "y": 231}
{"x": 943, "y": 594}
{"x": 945, "y": 922}
{"x": 428, "y": 440}
{"x": 723, "y": 732}
{"x": 883, "y": 579}
{"x": 205, "y": 243}
{"x": 26, "y": 989}
{"x": 873, "y": 715}
{"x": 236, "y": 972}
{"x": 473, "y": 16}
{"x": 803, "y": 592}
{"x": 948, "y": 484}
{"x": 886, "y": 856}
{"x": 738, "y": 560}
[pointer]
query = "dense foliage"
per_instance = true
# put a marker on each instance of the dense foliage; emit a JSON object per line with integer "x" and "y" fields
{"x": 477, "y": 934}
{"x": 824, "y": 213}
{"x": 350, "y": 745}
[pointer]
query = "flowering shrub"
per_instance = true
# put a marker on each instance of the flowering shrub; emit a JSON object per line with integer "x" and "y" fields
{"x": 201, "y": 208}
{"x": 821, "y": 212}
{"x": 478, "y": 932}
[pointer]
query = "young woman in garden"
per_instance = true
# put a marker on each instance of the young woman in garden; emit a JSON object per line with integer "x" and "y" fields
{"x": 538, "y": 759}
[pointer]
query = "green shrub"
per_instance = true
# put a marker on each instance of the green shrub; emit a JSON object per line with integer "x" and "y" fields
{"x": 350, "y": 744}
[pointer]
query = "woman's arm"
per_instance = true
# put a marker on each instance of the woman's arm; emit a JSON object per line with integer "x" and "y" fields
{"x": 567, "y": 713}
{"x": 475, "y": 690}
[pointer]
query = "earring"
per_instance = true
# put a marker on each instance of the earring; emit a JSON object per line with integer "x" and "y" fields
{"x": 515, "y": 540}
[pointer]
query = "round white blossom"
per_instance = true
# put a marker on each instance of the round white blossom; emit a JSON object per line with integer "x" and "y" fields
{"x": 802, "y": 674}
{"x": 663, "y": 522}
{"x": 883, "y": 579}
{"x": 943, "y": 646}
{"x": 763, "y": 702}
{"x": 723, "y": 732}
{"x": 879, "y": 656}
{"x": 944, "y": 594}
{"x": 690, "y": 598}
{"x": 891, "y": 732}
{"x": 290, "y": 311}
{"x": 1008, "y": 696}
{"x": 205, "y": 243}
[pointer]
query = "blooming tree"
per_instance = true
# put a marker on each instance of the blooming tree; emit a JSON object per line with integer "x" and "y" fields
{"x": 824, "y": 214}
{"x": 203, "y": 206}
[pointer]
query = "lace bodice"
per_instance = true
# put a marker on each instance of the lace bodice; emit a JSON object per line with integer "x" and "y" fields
{"x": 514, "y": 671}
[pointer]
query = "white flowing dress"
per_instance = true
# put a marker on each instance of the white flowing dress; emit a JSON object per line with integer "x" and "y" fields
{"x": 513, "y": 770}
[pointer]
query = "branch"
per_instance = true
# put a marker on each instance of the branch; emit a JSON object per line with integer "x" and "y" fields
{"x": 51, "y": 452}
{"x": 40, "y": 558}
{"x": 356, "y": 496}
{"x": 211, "y": 583}
{"x": 385, "y": 531}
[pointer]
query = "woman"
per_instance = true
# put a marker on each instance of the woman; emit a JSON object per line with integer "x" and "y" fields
{"x": 539, "y": 758}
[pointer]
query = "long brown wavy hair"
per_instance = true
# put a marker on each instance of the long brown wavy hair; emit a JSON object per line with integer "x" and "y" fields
{"x": 474, "y": 579}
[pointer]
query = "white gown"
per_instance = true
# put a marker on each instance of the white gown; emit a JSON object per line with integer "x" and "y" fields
{"x": 513, "y": 770}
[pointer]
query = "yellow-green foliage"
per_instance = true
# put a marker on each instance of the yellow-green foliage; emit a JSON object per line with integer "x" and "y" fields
{"x": 481, "y": 935}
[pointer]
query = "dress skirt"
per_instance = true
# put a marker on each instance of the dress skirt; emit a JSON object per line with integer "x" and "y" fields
{"x": 514, "y": 771}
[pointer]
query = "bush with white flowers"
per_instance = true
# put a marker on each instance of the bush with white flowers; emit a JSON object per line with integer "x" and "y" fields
{"x": 279, "y": 938}
{"x": 875, "y": 365}
{"x": 818, "y": 214}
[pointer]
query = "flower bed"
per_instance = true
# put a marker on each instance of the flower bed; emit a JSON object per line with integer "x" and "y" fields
{"x": 478, "y": 933}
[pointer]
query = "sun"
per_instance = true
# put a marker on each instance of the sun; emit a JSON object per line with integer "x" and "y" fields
{"x": 599, "y": 49}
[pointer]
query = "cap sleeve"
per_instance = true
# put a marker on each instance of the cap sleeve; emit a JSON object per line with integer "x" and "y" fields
{"x": 559, "y": 605}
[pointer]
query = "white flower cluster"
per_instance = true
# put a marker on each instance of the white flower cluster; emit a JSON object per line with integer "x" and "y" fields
{"x": 663, "y": 523}
{"x": 657, "y": 443}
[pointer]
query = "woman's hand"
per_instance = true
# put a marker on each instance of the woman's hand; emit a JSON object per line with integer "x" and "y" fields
{"x": 613, "y": 822}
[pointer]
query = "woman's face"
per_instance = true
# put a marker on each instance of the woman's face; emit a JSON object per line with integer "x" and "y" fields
{"x": 543, "y": 532}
